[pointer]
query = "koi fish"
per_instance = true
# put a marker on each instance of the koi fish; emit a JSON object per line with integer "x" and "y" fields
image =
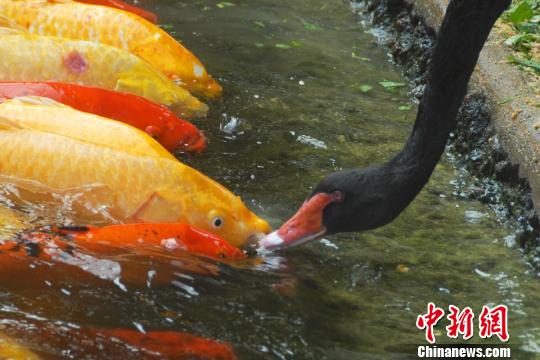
{"x": 116, "y": 28}
{"x": 44, "y": 114}
{"x": 28, "y": 57}
{"x": 108, "y": 165}
{"x": 12, "y": 349}
{"x": 116, "y": 343}
{"x": 150, "y": 16}
{"x": 41, "y": 257}
{"x": 156, "y": 120}
{"x": 139, "y": 255}
{"x": 172, "y": 237}
{"x": 169, "y": 344}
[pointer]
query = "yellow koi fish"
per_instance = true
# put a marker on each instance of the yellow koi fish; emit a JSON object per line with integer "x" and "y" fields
{"x": 27, "y": 57}
{"x": 99, "y": 170}
{"x": 117, "y": 28}
{"x": 43, "y": 114}
{"x": 12, "y": 349}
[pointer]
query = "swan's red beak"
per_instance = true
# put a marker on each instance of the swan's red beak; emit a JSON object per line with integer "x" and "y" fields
{"x": 306, "y": 225}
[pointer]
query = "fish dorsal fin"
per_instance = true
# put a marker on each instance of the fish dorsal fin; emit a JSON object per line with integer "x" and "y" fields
{"x": 35, "y": 100}
{"x": 8, "y": 26}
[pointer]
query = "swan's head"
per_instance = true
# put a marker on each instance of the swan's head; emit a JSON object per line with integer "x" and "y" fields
{"x": 345, "y": 201}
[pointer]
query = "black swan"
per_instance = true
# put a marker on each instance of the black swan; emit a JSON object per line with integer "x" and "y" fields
{"x": 362, "y": 199}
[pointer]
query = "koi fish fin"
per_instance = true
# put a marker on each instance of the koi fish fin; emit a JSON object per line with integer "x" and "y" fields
{"x": 10, "y": 27}
{"x": 35, "y": 100}
{"x": 162, "y": 206}
{"x": 130, "y": 83}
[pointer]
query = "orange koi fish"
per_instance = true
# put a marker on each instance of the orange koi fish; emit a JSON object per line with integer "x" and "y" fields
{"x": 173, "y": 237}
{"x": 150, "y": 16}
{"x": 156, "y": 120}
{"x": 117, "y": 28}
{"x": 27, "y": 57}
{"x": 42, "y": 259}
{"x": 110, "y": 168}
{"x": 116, "y": 343}
{"x": 171, "y": 345}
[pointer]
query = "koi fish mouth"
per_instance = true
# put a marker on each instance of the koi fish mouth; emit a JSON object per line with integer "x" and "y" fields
{"x": 196, "y": 144}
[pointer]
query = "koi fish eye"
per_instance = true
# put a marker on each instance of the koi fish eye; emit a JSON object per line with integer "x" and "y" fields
{"x": 217, "y": 222}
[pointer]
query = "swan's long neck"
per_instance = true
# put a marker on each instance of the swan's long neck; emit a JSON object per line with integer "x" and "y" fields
{"x": 461, "y": 37}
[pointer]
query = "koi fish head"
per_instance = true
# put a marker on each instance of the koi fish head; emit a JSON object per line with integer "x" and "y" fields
{"x": 207, "y": 205}
{"x": 155, "y": 86}
{"x": 209, "y": 244}
{"x": 203, "y": 84}
{"x": 182, "y": 136}
{"x": 210, "y": 89}
{"x": 233, "y": 221}
{"x": 187, "y": 106}
{"x": 227, "y": 217}
{"x": 239, "y": 226}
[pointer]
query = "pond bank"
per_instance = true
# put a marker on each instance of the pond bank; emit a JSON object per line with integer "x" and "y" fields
{"x": 497, "y": 142}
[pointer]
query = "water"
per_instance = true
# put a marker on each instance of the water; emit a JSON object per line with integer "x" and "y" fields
{"x": 292, "y": 112}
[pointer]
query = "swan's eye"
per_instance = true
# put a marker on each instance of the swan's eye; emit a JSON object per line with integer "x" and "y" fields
{"x": 338, "y": 196}
{"x": 217, "y": 222}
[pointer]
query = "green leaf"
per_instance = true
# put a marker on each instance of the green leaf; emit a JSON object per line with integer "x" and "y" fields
{"x": 225, "y": 4}
{"x": 365, "y": 88}
{"x": 295, "y": 43}
{"x": 391, "y": 85}
{"x": 527, "y": 63}
{"x": 514, "y": 40}
{"x": 167, "y": 27}
{"x": 405, "y": 107}
{"x": 259, "y": 45}
{"x": 522, "y": 42}
{"x": 283, "y": 46}
{"x": 310, "y": 26}
{"x": 520, "y": 13}
{"x": 506, "y": 100}
{"x": 259, "y": 23}
{"x": 354, "y": 56}
{"x": 528, "y": 27}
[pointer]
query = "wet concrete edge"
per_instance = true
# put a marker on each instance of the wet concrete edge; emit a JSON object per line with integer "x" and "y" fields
{"x": 496, "y": 146}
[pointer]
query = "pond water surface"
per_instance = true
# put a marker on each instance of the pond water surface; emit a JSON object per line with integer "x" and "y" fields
{"x": 302, "y": 98}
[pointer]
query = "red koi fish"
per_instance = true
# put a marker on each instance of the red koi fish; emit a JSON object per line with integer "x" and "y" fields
{"x": 170, "y": 345}
{"x": 156, "y": 120}
{"x": 136, "y": 256}
{"x": 47, "y": 337}
{"x": 142, "y": 237}
{"x": 43, "y": 260}
{"x": 150, "y": 16}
